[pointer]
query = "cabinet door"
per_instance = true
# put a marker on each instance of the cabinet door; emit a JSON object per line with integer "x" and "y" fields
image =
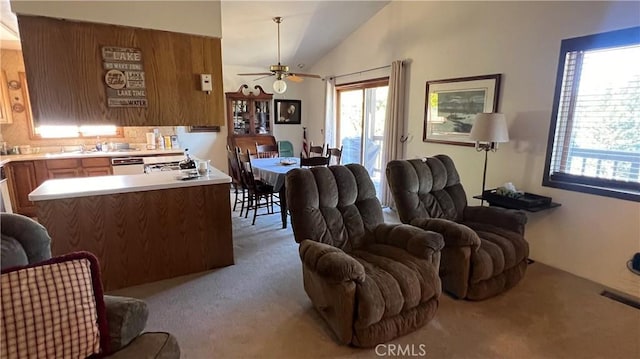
{"x": 261, "y": 118}
{"x": 97, "y": 171}
{"x": 5, "y": 101}
{"x": 23, "y": 180}
{"x": 64, "y": 173}
{"x": 241, "y": 117}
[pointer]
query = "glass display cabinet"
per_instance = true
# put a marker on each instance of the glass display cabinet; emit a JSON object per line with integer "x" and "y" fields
{"x": 249, "y": 112}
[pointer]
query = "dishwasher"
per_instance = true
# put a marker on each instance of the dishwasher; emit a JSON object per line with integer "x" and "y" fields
{"x": 127, "y": 165}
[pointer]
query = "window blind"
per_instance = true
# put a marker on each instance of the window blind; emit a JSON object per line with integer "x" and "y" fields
{"x": 597, "y": 134}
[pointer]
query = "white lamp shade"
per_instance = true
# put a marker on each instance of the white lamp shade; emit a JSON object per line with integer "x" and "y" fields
{"x": 490, "y": 127}
{"x": 279, "y": 86}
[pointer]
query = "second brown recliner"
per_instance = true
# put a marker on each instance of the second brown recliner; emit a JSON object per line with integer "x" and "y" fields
{"x": 485, "y": 251}
{"x": 370, "y": 281}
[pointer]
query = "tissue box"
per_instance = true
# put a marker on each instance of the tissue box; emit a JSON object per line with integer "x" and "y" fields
{"x": 529, "y": 200}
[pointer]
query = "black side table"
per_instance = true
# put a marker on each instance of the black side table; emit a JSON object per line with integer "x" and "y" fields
{"x": 492, "y": 202}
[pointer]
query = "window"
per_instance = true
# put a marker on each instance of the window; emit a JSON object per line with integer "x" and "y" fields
{"x": 361, "y": 119}
{"x": 44, "y": 132}
{"x": 594, "y": 139}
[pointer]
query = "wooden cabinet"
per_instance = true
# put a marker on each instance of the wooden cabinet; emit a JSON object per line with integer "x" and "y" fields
{"x": 22, "y": 180}
{"x": 249, "y": 112}
{"x": 96, "y": 166}
{"x": 25, "y": 176}
{"x": 6, "y": 115}
{"x": 66, "y": 74}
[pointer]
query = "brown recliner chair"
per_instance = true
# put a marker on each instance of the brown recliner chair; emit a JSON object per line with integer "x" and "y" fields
{"x": 370, "y": 281}
{"x": 485, "y": 251}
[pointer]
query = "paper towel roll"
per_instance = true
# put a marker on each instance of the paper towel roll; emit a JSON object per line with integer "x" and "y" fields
{"x": 151, "y": 141}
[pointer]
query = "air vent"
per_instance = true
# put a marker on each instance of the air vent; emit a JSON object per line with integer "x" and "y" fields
{"x": 618, "y": 298}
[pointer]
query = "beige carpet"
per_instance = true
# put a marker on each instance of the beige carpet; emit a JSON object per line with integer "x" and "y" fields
{"x": 258, "y": 308}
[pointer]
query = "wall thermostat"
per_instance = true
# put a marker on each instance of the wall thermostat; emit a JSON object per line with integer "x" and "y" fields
{"x": 205, "y": 83}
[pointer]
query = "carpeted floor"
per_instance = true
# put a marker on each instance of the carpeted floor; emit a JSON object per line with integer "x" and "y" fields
{"x": 257, "y": 308}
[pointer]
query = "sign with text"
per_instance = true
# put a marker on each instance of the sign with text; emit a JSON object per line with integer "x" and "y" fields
{"x": 124, "y": 77}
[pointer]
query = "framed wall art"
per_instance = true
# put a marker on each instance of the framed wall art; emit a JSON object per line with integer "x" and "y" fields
{"x": 288, "y": 112}
{"x": 451, "y": 106}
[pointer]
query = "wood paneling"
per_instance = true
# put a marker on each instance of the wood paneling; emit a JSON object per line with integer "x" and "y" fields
{"x": 146, "y": 236}
{"x": 66, "y": 78}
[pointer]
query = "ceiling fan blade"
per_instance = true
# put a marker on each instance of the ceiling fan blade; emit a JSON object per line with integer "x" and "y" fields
{"x": 257, "y": 74}
{"x": 294, "y": 78}
{"x": 263, "y": 77}
{"x": 307, "y": 75}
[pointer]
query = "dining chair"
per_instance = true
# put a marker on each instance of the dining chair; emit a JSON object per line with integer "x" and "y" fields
{"x": 236, "y": 176}
{"x": 266, "y": 151}
{"x": 335, "y": 154}
{"x": 314, "y": 161}
{"x": 285, "y": 149}
{"x": 316, "y": 151}
{"x": 260, "y": 194}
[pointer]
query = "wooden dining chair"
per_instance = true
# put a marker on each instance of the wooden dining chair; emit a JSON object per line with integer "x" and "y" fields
{"x": 236, "y": 176}
{"x": 314, "y": 161}
{"x": 260, "y": 194}
{"x": 316, "y": 151}
{"x": 335, "y": 154}
{"x": 266, "y": 151}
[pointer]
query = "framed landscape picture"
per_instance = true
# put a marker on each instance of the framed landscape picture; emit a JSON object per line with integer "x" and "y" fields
{"x": 288, "y": 112}
{"x": 451, "y": 106}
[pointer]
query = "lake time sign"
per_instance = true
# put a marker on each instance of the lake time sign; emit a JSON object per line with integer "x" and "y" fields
{"x": 124, "y": 77}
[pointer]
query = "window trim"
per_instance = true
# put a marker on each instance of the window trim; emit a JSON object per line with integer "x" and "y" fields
{"x": 601, "y": 187}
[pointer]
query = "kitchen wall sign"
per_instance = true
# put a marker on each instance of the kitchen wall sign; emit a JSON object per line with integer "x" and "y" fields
{"x": 124, "y": 77}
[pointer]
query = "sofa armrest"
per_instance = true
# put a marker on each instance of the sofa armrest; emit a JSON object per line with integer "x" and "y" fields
{"x": 127, "y": 318}
{"x": 330, "y": 262}
{"x": 510, "y": 219}
{"x": 454, "y": 234}
{"x": 420, "y": 243}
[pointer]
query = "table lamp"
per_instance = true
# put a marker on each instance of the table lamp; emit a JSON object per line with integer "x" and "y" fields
{"x": 488, "y": 130}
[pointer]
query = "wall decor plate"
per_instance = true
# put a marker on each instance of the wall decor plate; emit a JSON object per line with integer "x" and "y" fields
{"x": 17, "y": 107}
{"x": 14, "y": 85}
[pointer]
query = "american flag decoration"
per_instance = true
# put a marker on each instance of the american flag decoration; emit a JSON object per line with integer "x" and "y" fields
{"x": 305, "y": 145}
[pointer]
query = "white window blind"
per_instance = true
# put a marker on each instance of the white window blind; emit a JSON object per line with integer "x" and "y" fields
{"x": 597, "y": 133}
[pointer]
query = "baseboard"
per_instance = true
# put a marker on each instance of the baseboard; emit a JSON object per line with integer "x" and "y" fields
{"x": 634, "y": 303}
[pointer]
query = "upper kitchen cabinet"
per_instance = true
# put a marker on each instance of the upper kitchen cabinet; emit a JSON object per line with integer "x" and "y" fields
{"x": 91, "y": 74}
{"x": 5, "y": 105}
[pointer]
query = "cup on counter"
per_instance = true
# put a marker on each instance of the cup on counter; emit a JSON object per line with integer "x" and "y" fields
{"x": 203, "y": 167}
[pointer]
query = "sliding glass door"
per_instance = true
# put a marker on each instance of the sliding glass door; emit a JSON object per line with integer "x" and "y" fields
{"x": 361, "y": 118}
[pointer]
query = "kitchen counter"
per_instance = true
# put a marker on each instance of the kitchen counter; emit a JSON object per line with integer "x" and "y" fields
{"x": 56, "y": 155}
{"x": 142, "y": 228}
{"x": 103, "y": 185}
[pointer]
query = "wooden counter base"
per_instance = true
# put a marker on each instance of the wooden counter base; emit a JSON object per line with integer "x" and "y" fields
{"x": 141, "y": 237}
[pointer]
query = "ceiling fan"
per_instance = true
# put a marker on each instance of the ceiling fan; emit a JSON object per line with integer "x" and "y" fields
{"x": 280, "y": 71}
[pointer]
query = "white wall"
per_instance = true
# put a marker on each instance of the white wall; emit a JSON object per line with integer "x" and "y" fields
{"x": 191, "y": 17}
{"x": 590, "y": 236}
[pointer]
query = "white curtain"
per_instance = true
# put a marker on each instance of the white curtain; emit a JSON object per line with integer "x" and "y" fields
{"x": 330, "y": 112}
{"x": 394, "y": 125}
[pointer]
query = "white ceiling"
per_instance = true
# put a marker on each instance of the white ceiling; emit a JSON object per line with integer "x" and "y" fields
{"x": 309, "y": 29}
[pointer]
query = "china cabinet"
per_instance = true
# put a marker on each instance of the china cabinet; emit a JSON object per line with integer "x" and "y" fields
{"x": 249, "y": 112}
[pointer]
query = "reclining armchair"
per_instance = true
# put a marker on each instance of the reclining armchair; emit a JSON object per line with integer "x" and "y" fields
{"x": 25, "y": 241}
{"x": 370, "y": 281}
{"x": 485, "y": 251}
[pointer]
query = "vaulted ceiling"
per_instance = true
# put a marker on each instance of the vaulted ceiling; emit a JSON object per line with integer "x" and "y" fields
{"x": 309, "y": 29}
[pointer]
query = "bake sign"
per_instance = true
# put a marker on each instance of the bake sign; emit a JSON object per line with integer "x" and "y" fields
{"x": 124, "y": 77}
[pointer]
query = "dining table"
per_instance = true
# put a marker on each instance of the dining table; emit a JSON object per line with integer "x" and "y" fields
{"x": 273, "y": 172}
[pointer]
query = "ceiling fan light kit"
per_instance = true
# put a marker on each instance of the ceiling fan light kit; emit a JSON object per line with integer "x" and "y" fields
{"x": 281, "y": 72}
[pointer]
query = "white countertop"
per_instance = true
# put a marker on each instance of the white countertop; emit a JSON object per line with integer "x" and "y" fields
{"x": 95, "y": 186}
{"x": 50, "y": 156}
